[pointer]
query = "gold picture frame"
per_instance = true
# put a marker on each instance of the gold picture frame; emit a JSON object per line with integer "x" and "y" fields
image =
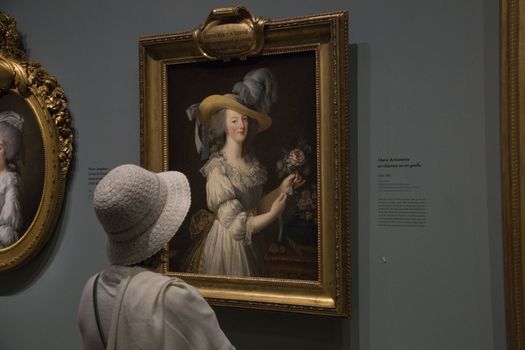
{"x": 513, "y": 160}
{"x": 306, "y": 273}
{"x": 32, "y": 102}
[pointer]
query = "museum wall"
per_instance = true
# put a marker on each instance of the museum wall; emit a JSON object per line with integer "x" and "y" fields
{"x": 424, "y": 89}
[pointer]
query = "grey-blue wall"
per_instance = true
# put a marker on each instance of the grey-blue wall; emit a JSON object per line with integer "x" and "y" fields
{"x": 424, "y": 83}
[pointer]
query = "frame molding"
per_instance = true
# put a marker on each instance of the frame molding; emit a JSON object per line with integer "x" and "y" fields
{"x": 327, "y": 36}
{"x": 513, "y": 160}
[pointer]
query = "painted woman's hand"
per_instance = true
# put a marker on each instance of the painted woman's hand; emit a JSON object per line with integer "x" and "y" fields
{"x": 287, "y": 185}
{"x": 261, "y": 221}
{"x": 278, "y": 205}
{"x": 298, "y": 181}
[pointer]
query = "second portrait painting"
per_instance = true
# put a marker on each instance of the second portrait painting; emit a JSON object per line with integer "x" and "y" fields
{"x": 244, "y": 133}
{"x": 21, "y": 168}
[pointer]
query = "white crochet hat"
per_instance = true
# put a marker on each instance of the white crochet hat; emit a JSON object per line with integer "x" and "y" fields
{"x": 140, "y": 211}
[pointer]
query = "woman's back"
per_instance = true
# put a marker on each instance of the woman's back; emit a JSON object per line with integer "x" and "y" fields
{"x": 141, "y": 309}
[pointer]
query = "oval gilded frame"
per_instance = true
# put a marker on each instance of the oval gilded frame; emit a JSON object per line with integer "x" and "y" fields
{"x": 45, "y": 98}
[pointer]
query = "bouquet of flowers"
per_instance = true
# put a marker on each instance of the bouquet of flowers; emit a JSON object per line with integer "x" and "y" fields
{"x": 298, "y": 161}
{"x": 307, "y": 204}
{"x": 295, "y": 161}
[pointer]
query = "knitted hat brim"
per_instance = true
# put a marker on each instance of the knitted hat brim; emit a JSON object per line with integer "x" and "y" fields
{"x": 163, "y": 229}
{"x": 211, "y": 104}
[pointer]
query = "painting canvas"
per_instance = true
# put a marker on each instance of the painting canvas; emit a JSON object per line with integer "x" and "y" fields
{"x": 287, "y": 247}
{"x": 254, "y": 113}
{"x": 21, "y": 168}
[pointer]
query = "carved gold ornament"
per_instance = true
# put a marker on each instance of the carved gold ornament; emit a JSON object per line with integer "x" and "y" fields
{"x": 35, "y": 90}
{"x": 228, "y": 25}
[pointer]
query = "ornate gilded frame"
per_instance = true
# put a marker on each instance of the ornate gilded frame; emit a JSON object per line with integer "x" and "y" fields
{"x": 31, "y": 85}
{"x": 327, "y": 36}
{"x": 513, "y": 161}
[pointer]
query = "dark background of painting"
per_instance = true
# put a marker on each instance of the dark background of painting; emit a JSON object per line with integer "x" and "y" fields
{"x": 293, "y": 119}
{"x": 31, "y": 162}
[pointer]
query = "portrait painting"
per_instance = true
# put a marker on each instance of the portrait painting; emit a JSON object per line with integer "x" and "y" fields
{"x": 238, "y": 224}
{"x": 21, "y": 168}
{"x": 254, "y": 113}
{"x": 36, "y": 149}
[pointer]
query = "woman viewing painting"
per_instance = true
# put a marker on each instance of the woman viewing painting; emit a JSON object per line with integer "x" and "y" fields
{"x": 235, "y": 178}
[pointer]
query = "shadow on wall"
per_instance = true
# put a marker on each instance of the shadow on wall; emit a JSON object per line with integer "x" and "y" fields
{"x": 15, "y": 281}
{"x": 280, "y": 330}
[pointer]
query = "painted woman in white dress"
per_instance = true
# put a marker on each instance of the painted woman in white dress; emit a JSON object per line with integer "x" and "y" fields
{"x": 234, "y": 178}
{"x": 10, "y": 213}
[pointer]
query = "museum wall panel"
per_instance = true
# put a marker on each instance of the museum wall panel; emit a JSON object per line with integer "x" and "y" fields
{"x": 424, "y": 130}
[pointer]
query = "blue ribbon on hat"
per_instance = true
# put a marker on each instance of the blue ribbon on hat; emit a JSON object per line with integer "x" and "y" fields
{"x": 202, "y": 146}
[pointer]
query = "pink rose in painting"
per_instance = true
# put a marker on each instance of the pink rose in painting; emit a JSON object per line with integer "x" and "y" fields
{"x": 296, "y": 157}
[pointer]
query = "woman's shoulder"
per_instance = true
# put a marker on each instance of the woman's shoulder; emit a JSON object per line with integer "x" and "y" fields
{"x": 216, "y": 163}
{"x": 8, "y": 178}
